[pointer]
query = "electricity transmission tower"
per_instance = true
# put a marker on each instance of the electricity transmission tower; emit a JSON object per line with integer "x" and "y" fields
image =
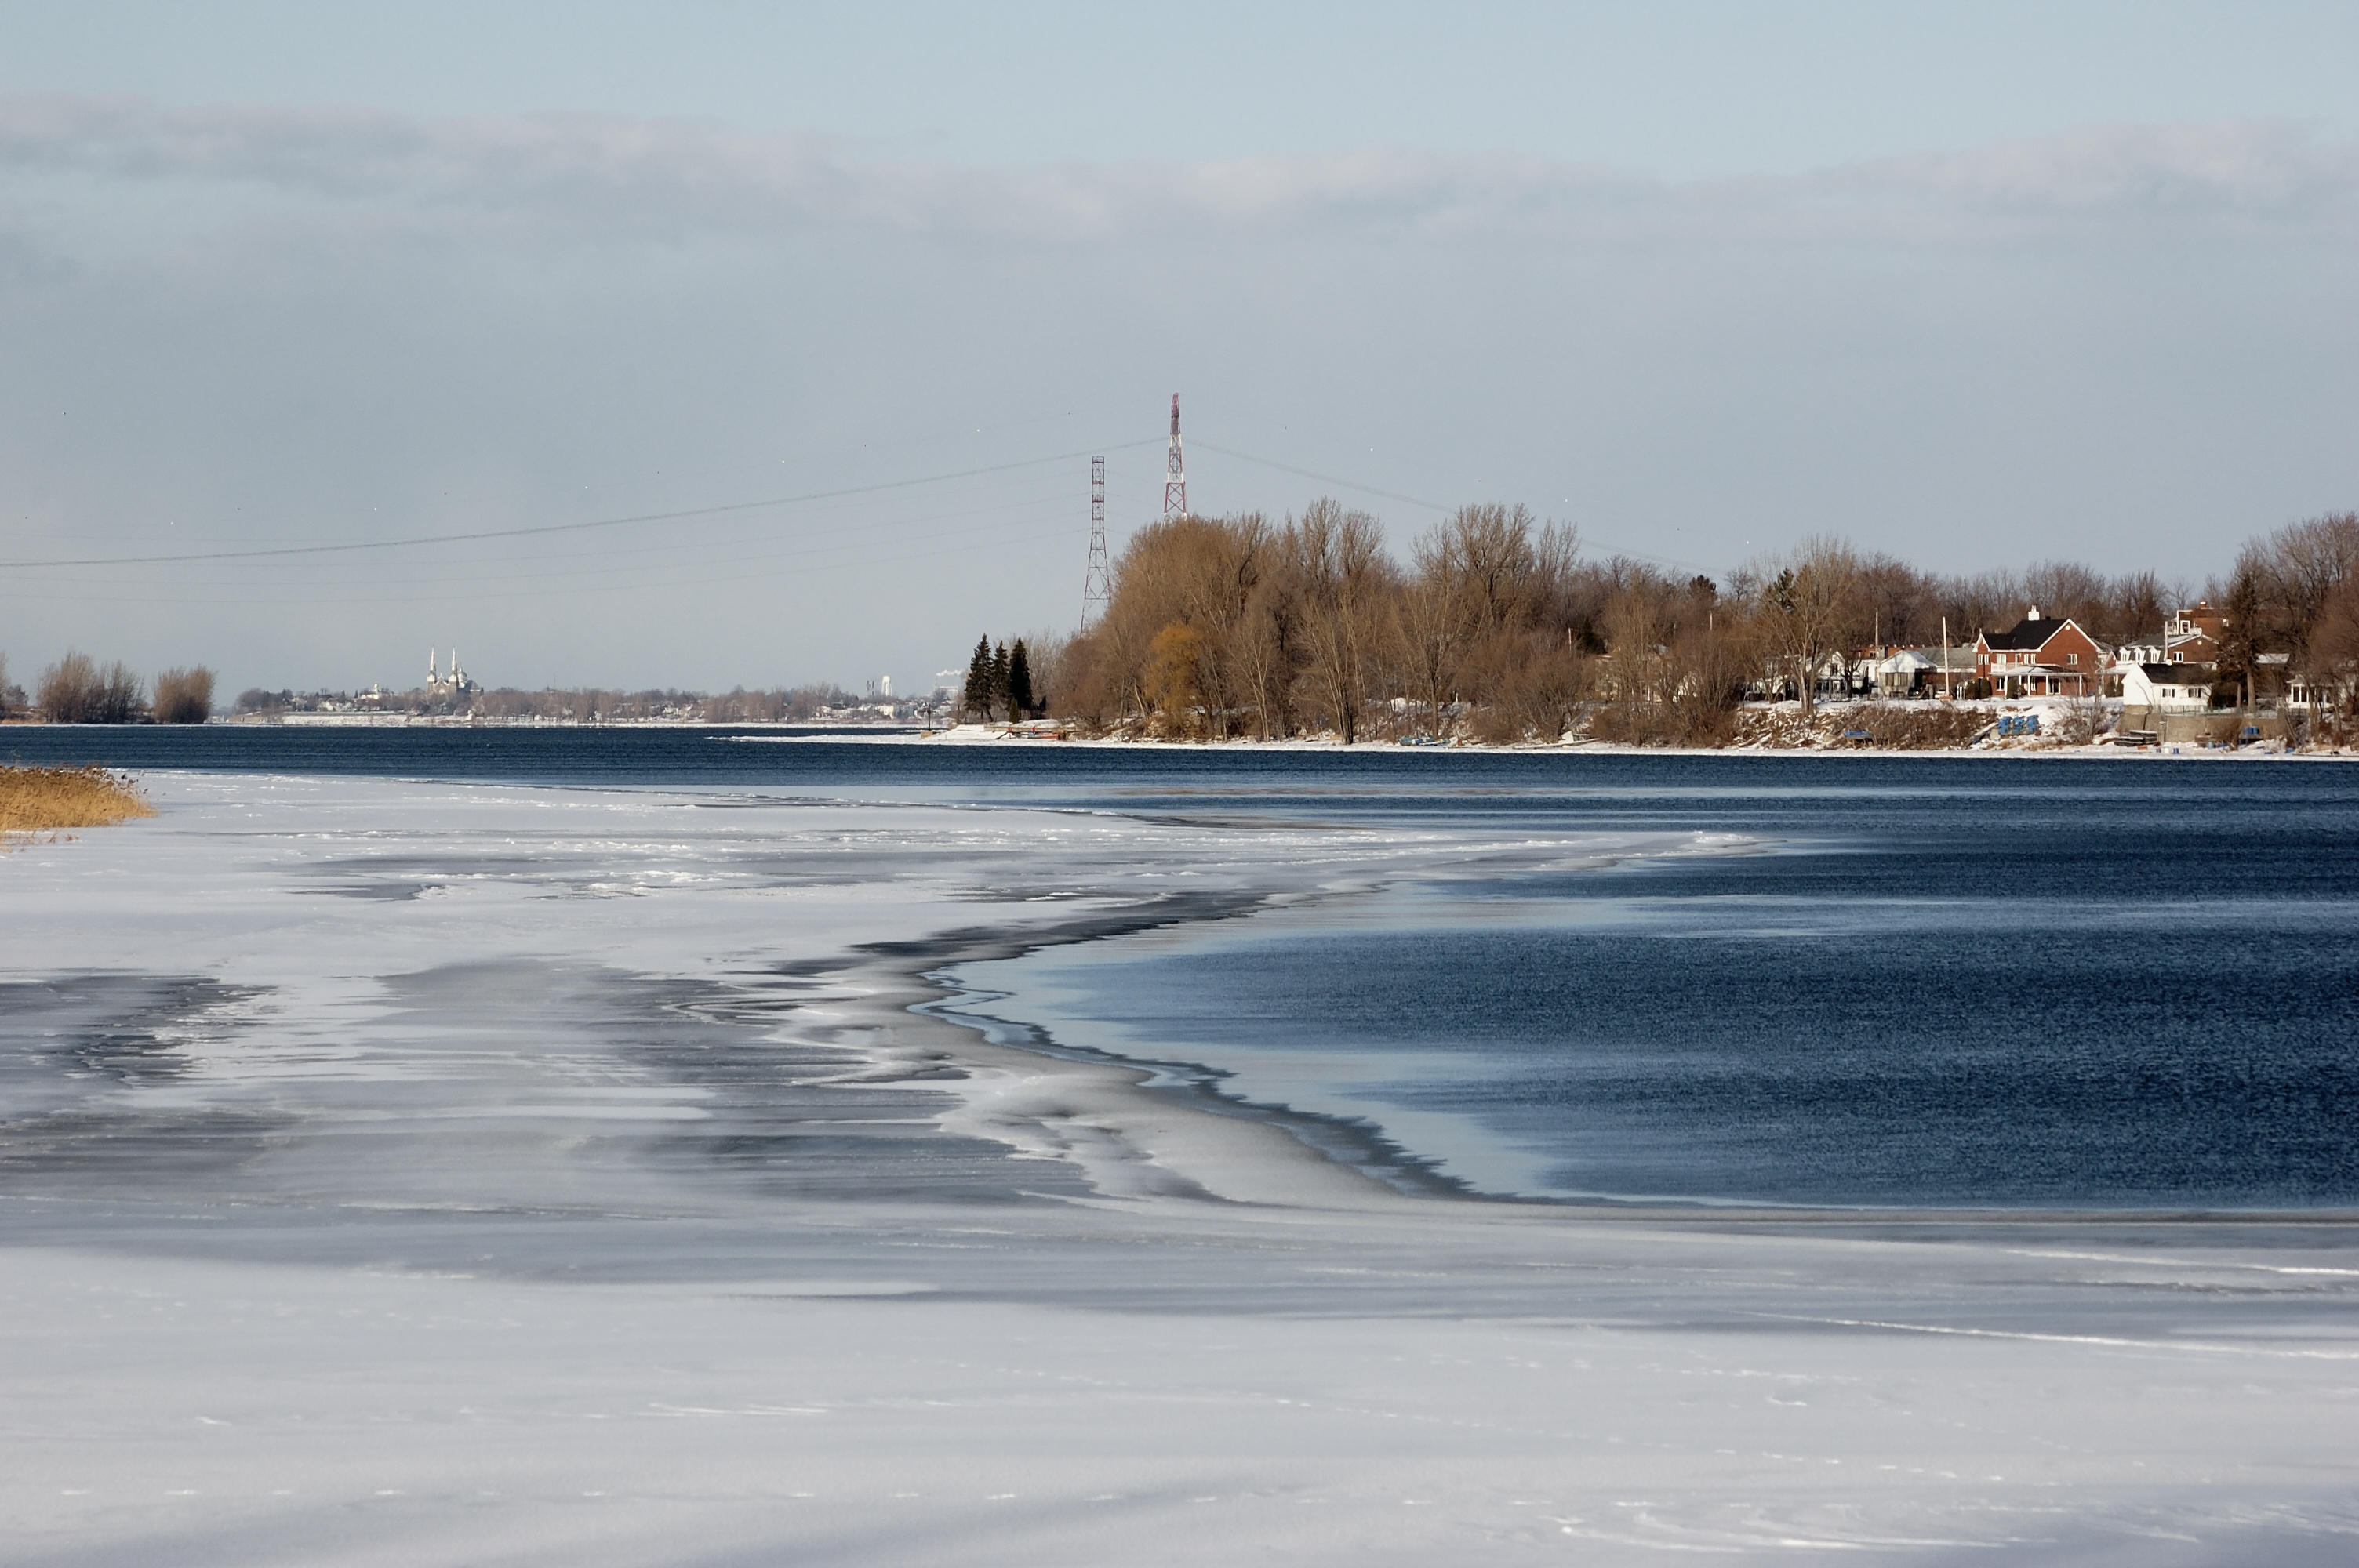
{"x": 1097, "y": 588}
{"x": 1175, "y": 478}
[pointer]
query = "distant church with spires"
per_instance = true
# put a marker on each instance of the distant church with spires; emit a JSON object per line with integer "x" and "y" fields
{"x": 437, "y": 685}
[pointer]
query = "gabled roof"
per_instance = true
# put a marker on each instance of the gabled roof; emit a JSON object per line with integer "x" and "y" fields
{"x": 2177, "y": 674}
{"x": 2030, "y": 633}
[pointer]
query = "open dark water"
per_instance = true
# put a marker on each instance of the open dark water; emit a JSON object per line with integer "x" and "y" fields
{"x": 1987, "y": 981}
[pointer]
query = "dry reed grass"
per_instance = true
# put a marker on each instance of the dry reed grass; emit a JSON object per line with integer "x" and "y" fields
{"x": 44, "y": 800}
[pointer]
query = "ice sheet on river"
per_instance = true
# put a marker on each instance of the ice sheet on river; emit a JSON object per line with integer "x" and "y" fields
{"x": 410, "y": 1173}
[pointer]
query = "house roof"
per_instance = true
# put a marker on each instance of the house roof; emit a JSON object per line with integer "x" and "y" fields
{"x": 2177, "y": 674}
{"x": 2032, "y": 632}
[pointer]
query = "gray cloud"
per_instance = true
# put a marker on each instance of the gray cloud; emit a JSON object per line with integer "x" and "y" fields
{"x": 672, "y": 177}
{"x": 231, "y": 324}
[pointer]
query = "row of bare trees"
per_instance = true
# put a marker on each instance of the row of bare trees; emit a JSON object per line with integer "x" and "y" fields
{"x": 1240, "y": 625}
{"x": 1498, "y": 628}
{"x": 77, "y": 689}
{"x": 2296, "y": 591}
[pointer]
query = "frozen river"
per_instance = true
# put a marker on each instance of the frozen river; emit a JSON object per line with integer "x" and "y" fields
{"x": 483, "y": 1155}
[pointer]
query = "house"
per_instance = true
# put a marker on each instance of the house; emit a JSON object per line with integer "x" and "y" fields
{"x": 1920, "y": 671}
{"x": 2192, "y": 636}
{"x": 2040, "y": 657}
{"x": 2320, "y": 694}
{"x": 1909, "y": 672}
{"x": 2148, "y": 688}
{"x": 1842, "y": 675}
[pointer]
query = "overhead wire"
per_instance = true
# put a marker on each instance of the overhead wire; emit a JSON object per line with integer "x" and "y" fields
{"x": 994, "y": 541}
{"x": 695, "y": 554}
{"x": 1434, "y": 506}
{"x": 661, "y": 574}
{"x": 681, "y": 514}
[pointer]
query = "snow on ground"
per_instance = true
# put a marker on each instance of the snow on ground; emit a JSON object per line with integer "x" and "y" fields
{"x": 416, "y": 1174}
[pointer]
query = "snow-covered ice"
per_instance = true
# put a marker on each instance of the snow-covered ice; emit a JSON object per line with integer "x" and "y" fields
{"x": 417, "y": 1173}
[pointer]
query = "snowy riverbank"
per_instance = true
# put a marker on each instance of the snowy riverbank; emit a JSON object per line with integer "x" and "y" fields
{"x": 434, "y": 1172}
{"x": 1831, "y": 745}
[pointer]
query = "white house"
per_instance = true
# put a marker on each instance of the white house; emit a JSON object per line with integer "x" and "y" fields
{"x": 2310, "y": 694}
{"x": 1905, "y": 672}
{"x": 2162, "y": 688}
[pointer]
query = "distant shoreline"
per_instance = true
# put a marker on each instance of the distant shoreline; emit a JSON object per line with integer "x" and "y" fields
{"x": 982, "y": 735}
{"x": 1041, "y": 733}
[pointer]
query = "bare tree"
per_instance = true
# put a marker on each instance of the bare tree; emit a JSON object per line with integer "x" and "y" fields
{"x": 1988, "y": 602}
{"x": 1269, "y": 647}
{"x": 1339, "y": 560}
{"x": 77, "y": 690}
{"x": 2331, "y": 659}
{"x": 2294, "y": 573}
{"x": 1810, "y": 606}
{"x": 1433, "y": 625}
{"x": 184, "y": 696}
{"x": 1175, "y": 676}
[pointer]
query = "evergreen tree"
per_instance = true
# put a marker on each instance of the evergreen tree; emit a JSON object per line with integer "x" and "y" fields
{"x": 1019, "y": 684}
{"x": 975, "y": 697}
{"x": 998, "y": 681}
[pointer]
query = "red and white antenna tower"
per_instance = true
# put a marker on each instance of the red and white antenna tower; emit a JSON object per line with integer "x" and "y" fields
{"x": 1175, "y": 478}
{"x": 1097, "y": 588}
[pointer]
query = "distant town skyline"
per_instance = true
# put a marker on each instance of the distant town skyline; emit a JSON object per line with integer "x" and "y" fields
{"x": 1977, "y": 286}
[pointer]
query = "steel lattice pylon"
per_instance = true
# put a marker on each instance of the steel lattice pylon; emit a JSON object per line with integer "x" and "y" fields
{"x": 1097, "y": 587}
{"x": 1175, "y": 477}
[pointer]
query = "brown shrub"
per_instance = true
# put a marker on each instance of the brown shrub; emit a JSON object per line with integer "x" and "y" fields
{"x": 2083, "y": 718}
{"x": 1664, "y": 724}
{"x": 39, "y": 800}
{"x": 184, "y": 696}
{"x": 1916, "y": 726}
{"x": 1497, "y": 724}
{"x": 1776, "y": 728}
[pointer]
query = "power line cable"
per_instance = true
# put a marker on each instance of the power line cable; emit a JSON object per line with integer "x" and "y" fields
{"x": 407, "y": 594}
{"x": 1414, "y": 499}
{"x": 679, "y": 515}
{"x": 1327, "y": 478}
{"x": 674, "y": 557}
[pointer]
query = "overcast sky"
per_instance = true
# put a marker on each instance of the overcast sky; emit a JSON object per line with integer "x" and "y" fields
{"x": 1977, "y": 285}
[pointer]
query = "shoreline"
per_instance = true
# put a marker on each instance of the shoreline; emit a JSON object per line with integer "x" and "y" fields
{"x": 981, "y": 737}
{"x": 1130, "y": 1141}
{"x": 1320, "y": 745}
{"x": 1366, "y": 1150}
{"x": 1124, "y": 1099}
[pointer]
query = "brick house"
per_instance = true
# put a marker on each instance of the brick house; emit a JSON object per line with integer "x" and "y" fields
{"x": 2192, "y": 636}
{"x": 2040, "y": 657}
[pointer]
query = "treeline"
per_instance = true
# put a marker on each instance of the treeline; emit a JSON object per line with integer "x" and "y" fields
{"x": 1497, "y": 627}
{"x": 591, "y": 706}
{"x": 574, "y": 705}
{"x": 77, "y": 689}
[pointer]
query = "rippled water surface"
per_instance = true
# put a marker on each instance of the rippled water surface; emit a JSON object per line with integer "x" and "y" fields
{"x": 2022, "y": 983}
